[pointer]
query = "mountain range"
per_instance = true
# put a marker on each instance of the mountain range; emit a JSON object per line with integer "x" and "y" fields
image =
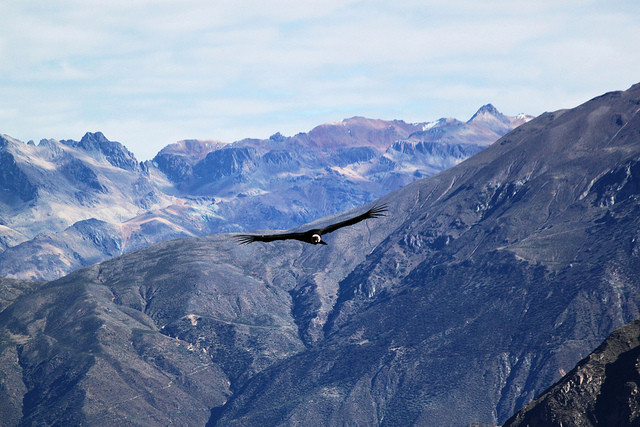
{"x": 482, "y": 287}
{"x": 67, "y": 204}
{"x": 503, "y": 273}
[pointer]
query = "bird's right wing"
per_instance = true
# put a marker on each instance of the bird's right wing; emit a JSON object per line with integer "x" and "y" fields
{"x": 243, "y": 239}
{"x": 374, "y": 212}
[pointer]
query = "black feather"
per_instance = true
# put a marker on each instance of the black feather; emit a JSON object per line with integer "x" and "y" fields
{"x": 308, "y": 236}
{"x": 374, "y": 212}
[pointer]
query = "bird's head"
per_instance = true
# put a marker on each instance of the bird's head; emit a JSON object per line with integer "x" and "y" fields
{"x": 317, "y": 240}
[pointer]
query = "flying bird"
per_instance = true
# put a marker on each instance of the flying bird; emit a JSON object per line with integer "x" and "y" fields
{"x": 313, "y": 236}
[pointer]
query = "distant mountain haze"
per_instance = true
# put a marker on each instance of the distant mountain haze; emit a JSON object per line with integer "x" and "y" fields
{"x": 67, "y": 204}
{"x": 483, "y": 286}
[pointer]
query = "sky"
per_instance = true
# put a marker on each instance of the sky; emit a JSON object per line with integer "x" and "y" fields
{"x": 148, "y": 73}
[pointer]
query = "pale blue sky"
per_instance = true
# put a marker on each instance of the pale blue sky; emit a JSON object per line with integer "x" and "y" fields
{"x": 150, "y": 72}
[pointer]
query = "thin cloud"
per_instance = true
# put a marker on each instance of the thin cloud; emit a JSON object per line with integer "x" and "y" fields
{"x": 150, "y": 72}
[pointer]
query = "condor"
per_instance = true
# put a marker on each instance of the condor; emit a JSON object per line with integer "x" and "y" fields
{"x": 313, "y": 236}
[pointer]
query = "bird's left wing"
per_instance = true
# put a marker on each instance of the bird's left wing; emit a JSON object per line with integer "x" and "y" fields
{"x": 243, "y": 239}
{"x": 374, "y": 212}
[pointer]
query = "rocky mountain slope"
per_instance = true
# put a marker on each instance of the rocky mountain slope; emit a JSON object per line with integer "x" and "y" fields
{"x": 480, "y": 289}
{"x": 48, "y": 187}
{"x": 59, "y": 197}
{"x": 503, "y": 272}
{"x": 68, "y": 204}
{"x": 601, "y": 390}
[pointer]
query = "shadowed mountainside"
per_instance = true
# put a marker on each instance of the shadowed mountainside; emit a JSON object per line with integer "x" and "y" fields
{"x": 601, "y": 390}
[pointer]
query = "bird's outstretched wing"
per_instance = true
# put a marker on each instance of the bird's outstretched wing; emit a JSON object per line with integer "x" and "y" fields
{"x": 243, "y": 239}
{"x": 306, "y": 236}
{"x": 374, "y": 212}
